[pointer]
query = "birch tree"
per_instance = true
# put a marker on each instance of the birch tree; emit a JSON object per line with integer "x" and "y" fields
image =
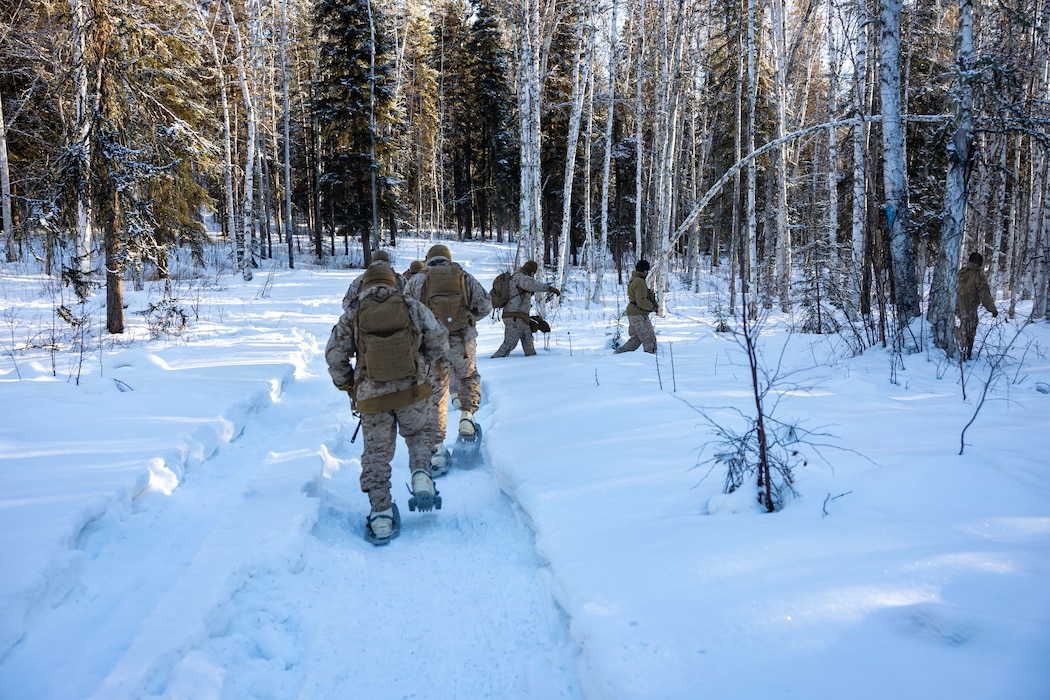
{"x": 10, "y": 252}
{"x": 894, "y": 173}
{"x": 251, "y": 122}
{"x": 229, "y": 222}
{"x": 81, "y": 145}
{"x": 859, "y": 209}
{"x": 960, "y": 155}
{"x": 581, "y": 75}
{"x": 783, "y": 230}
{"x": 610, "y": 115}
{"x": 532, "y": 24}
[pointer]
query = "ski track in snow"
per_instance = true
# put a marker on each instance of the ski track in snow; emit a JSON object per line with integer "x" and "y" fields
{"x": 297, "y": 603}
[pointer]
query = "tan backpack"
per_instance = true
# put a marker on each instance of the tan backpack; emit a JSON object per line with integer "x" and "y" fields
{"x": 387, "y": 340}
{"x": 445, "y": 293}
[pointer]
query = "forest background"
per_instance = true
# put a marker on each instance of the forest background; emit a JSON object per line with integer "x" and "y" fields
{"x": 841, "y": 155}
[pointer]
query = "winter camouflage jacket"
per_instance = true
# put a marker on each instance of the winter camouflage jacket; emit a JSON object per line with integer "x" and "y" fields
{"x": 973, "y": 290}
{"x": 640, "y": 299}
{"x": 478, "y": 303}
{"x": 342, "y": 347}
{"x": 522, "y": 287}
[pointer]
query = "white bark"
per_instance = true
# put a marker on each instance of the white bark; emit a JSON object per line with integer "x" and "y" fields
{"x": 945, "y": 274}
{"x": 580, "y": 79}
{"x": 666, "y": 146}
{"x": 895, "y": 182}
{"x": 1039, "y": 233}
{"x": 287, "y": 136}
{"x": 227, "y": 132}
{"x": 783, "y": 230}
{"x": 638, "y": 116}
{"x": 607, "y": 165}
{"x": 532, "y": 24}
{"x": 839, "y": 260}
{"x": 860, "y": 141}
{"x": 251, "y": 121}
{"x": 752, "y": 224}
{"x": 84, "y": 239}
{"x": 5, "y": 192}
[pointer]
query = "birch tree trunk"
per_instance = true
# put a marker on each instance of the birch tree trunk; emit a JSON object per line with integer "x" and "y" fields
{"x": 665, "y": 149}
{"x": 639, "y": 149}
{"x": 287, "y": 136}
{"x": 859, "y": 211}
{"x": 1040, "y": 219}
{"x": 838, "y": 258}
{"x": 580, "y": 78}
{"x": 946, "y": 270}
{"x": 588, "y": 227}
{"x": 783, "y": 242}
{"x": 83, "y": 240}
{"x": 607, "y": 164}
{"x": 752, "y": 223}
{"x": 250, "y": 123}
{"x": 5, "y": 192}
{"x": 229, "y": 225}
{"x": 528, "y": 29}
{"x": 895, "y": 176}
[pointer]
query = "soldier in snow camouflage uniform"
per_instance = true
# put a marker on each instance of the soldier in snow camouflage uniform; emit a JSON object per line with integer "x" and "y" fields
{"x": 516, "y": 326}
{"x": 641, "y": 303}
{"x": 463, "y": 353}
{"x": 973, "y": 292}
{"x": 388, "y": 407}
{"x": 380, "y": 257}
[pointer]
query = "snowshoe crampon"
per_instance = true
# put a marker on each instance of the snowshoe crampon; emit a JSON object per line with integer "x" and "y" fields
{"x": 466, "y": 450}
{"x": 394, "y": 520}
{"x": 424, "y": 494}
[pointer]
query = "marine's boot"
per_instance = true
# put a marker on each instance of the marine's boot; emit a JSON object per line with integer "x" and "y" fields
{"x": 455, "y": 400}
{"x": 467, "y": 427}
{"x": 424, "y": 494}
{"x": 383, "y": 526}
{"x": 439, "y": 460}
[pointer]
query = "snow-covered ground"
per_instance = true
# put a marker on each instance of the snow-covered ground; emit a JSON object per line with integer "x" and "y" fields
{"x": 180, "y": 517}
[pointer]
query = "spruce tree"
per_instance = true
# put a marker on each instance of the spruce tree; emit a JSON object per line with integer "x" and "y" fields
{"x": 349, "y": 99}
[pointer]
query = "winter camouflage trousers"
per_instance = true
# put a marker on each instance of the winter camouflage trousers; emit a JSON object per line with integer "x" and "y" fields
{"x": 516, "y": 330}
{"x": 965, "y": 332}
{"x": 464, "y": 376}
{"x": 380, "y": 432}
{"x": 641, "y": 333}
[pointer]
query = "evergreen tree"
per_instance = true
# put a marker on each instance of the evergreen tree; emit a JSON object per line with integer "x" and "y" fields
{"x": 350, "y": 97}
{"x": 496, "y": 173}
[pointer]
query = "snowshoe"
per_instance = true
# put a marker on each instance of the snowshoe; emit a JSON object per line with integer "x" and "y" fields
{"x": 381, "y": 522}
{"x": 424, "y": 494}
{"x": 465, "y": 451}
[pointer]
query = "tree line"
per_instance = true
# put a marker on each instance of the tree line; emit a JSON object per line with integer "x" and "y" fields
{"x": 834, "y": 156}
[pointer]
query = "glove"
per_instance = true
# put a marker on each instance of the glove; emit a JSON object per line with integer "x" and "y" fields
{"x": 345, "y": 387}
{"x": 554, "y": 290}
{"x": 995, "y": 314}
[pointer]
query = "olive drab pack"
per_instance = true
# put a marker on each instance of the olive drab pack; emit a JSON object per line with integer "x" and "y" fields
{"x": 499, "y": 295}
{"x": 445, "y": 293}
{"x": 387, "y": 340}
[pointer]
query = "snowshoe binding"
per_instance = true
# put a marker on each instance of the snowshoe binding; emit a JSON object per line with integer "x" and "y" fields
{"x": 424, "y": 494}
{"x": 384, "y": 526}
{"x": 466, "y": 450}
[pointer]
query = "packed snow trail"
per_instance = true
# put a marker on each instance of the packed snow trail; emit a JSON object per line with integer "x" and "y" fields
{"x": 252, "y": 580}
